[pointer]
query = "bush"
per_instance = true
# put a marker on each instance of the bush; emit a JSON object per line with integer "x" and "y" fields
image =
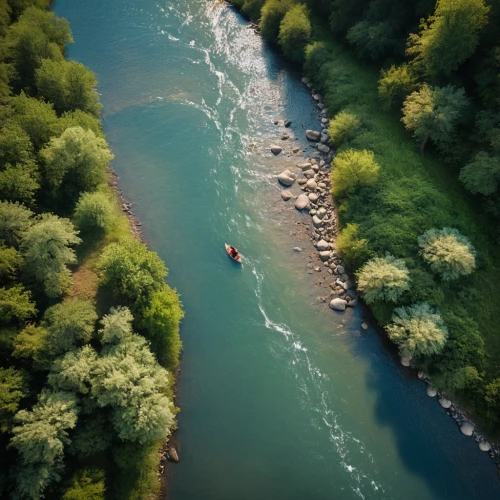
{"x": 343, "y": 128}
{"x": 417, "y": 330}
{"x": 15, "y": 305}
{"x": 448, "y": 253}
{"x": 94, "y": 212}
{"x": 32, "y": 344}
{"x": 371, "y": 41}
{"x": 295, "y": 32}
{"x": 423, "y": 289}
{"x": 87, "y": 484}
{"x": 395, "y": 84}
{"x": 10, "y": 263}
{"x": 12, "y": 390}
{"x": 354, "y": 249}
{"x": 482, "y": 174}
{"x": 352, "y": 170}
{"x": 252, "y": 8}
{"x": 15, "y": 220}
{"x": 383, "y": 278}
{"x": 272, "y": 14}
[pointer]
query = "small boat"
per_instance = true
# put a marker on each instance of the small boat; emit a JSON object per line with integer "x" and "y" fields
{"x": 229, "y": 250}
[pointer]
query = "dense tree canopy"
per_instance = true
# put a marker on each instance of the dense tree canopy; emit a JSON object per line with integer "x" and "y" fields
{"x": 295, "y": 32}
{"x": 15, "y": 220}
{"x": 12, "y": 390}
{"x": 482, "y": 174}
{"x": 94, "y": 212}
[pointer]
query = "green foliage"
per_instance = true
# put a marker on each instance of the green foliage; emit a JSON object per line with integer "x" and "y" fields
{"x": 160, "y": 316}
{"x": 354, "y": 248}
{"x": 343, "y": 128}
{"x": 69, "y": 324}
{"x": 32, "y": 345}
{"x": 87, "y": 484}
{"x": 93, "y": 434}
{"x": 433, "y": 112}
{"x": 39, "y": 437}
{"x": 76, "y": 162}
{"x": 15, "y": 145}
{"x": 482, "y": 174}
{"x": 68, "y": 85}
{"x": 94, "y": 212}
{"x": 15, "y": 220}
{"x": 252, "y": 8}
{"x": 272, "y": 14}
{"x": 10, "y": 263}
{"x": 19, "y": 183}
{"x": 423, "y": 289}
{"x": 79, "y": 118}
{"x": 15, "y": 305}
{"x": 47, "y": 252}
{"x": 417, "y": 330}
{"x": 295, "y": 32}
{"x": 448, "y": 253}
{"x": 12, "y": 390}
{"x": 492, "y": 399}
{"x": 449, "y": 37}
{"x": 395, "y": 84}
{"x": 352, "y": 170}
{"x": 371, "y": 41}
{"x": 116, "y": 326}
{"x": 383, "y": 278}
{"x": 131, "y": 269}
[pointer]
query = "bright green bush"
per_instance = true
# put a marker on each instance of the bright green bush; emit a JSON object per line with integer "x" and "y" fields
{"x": 272, "y": 14}
{"x": 86, "y": 484}
{"x": 354, "y": 249}
{"x": 383, "y": 278}
{"x": 32, "y": 345}
{"x": 12, "y": 390}
{"x": 15, "y": 220}
{"x": 94, "y": 212}
{"x": 295, "y": 32}
{"x": 10, "y": 263}
{"x": 352, "y": 170}
{"x": 448, "y": 253}
{"x": 395, "y": 84}
{"x": 343, "y": 128}
{"x": 15, "y": 305}
{"x": 252, "y": 8}
{"x": 417, "y": 330}
{"x": 19, "y": 183}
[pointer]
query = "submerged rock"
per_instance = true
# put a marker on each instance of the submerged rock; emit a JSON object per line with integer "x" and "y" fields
{"x": 288, "y": 123}
{"x": 276, "y": 150}
{"x": 323, "y": 148}
{"x": 286, "y": 195}
{"x": 484, "y": 446}
{"x": 405, "y": 360}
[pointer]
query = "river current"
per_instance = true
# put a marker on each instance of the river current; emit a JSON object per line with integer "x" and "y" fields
{"x": 281, "y": 397}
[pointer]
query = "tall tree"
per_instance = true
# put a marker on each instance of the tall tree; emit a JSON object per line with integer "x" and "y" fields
{"x": 295, "y": 32}
{"x": 12, "y": 390}
{"x": 15, "y": 220}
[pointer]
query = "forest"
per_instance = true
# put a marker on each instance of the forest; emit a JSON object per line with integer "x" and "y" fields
{"x": 413, "y": 95}
{"x": 89, "y": 329}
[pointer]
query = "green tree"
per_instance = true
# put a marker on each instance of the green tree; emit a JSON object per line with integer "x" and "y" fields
{"x": 353, "y": 170}
{"x": 68, "y": 85}
{"x": 448, "y": 253}
{"x": 15, "y": 305}
{"x": 395, "y": 84}
{"x": 93, "y": 434}
{"x": 272, "y": 14}
{"x": 449, "y": 37}
{"x": 15, "y": 145}
{"x": 32, "y": 345}
{"x": 10, "y": 263}
{"x": 433, "y": 112}
{"x": 86, "y": 484}
{"x": 39, "y": 437}
{"x": 15, "y": 220}
{"x": 19, "y": 183}
{"x": 131, "y": 269}
{"x": 159, "y": 317}
{"x": 371, "y": 40}
{"x": 417, "y": 330}
{"x": 47, "y": 252}
{"x": 295, "y": 32}
{"x": 383, "y": 278}
{"x": 76, "y": 161}
{"x": 343, "y": 128}
{"x": 252, "y": 8}
{"x": 12, "y": 390}
{"x": 354, "y": 249}
{"x": 79, "y": 118}
{"x": 482, "y": 174}
{"x": 116, "y": 326}
{"x": 18, "y": 6}
{"x": 94, "y": 212}
{"x": 69, "y": 324}
{"x": 492, "y": 399}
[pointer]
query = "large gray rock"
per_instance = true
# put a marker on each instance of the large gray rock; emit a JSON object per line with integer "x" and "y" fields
{"x": 276, "y": 149}
{"x": 172, "y": 454}
{"x": 323, "y": 138}
{"x": 322, "y": 245}
{"x": 405, "y": 361}
{"x": 338, "y": 304}
{"x": 324, "y": 256}
{"x": 467, "y": 429}
{"x": 286, "y": 195}
{"x": 445, "y": 403}
{"x": 323, "y": 148}
{"x": 312, "y": 135}
{"x": 301, "y": 202}
{"x": 321, "y": 213}
{"x": 431, "y": 392}
{"x": 287, "y": 178}
{"x": 311, "y": 184}
{"x": 318, "y": 97}
{"x": 304, "y": 166}
{"x": 316, "y": 221}
{"x": 313, "y": 197}
{"x": 484, "y": 446}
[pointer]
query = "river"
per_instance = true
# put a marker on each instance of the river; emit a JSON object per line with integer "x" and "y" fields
{"x": 281, "y": 397}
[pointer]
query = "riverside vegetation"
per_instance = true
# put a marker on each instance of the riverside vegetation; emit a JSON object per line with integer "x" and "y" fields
{"x": 89, "y": 329}
{"x": 413, "y": 92}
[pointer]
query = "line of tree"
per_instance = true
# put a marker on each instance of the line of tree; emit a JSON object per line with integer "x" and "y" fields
{"x": 85, "y": 383}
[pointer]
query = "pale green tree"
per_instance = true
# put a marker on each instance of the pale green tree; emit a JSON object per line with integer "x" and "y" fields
{"x": 352, "y": 170}
{"x": 40, "y": 436}
{"x": 417, "y": 330}
{"x": 46, "y": 249}
{"x": 10, "y": 263}
{"x": 94, "y": 212}
{"x": 343, "y": 128}
{"x": 12, "y": 390}
{"x": 449, "y": 37}
{"x": 15, "y": 220}
{"x": 15, "y": 305}
{"x": 116, "y": 326}
{"x": 76, "y": 161}
{"x": 448, "y": 253}
{"x": 354, "y": 248}
{"x": 295, "y": 33}
{"x": 383, "y": 278}
{"x": 433, "y": 112}
{"x": 395, "y": 84}
{"x": 32, "y": 345}
{"x": 482, "y": 174}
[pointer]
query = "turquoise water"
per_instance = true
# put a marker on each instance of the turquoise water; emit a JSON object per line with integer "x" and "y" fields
{"x": 281, "y": 398}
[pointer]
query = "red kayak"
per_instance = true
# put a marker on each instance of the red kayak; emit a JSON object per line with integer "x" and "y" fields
{"x": 233, "y": 253}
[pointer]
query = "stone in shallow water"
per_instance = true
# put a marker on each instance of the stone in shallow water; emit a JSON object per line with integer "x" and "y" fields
{"x": 311, "y": 184}
{"x": 405, "y": 361}
{"x": 301, "y": 202}
{"x": 276, "y": 149}
{"x": 467, "y": 428}
{"x": 338, "y": 304}
{"x": 445, "y": 403}
{"x": 286, "y": 195}
{"x": 431, "y": 392}
{"x": 322, "y": 245}
{"x": 287, "y": 178}
{"x": 312, "y": 135}
{"x": 484, "y": 446}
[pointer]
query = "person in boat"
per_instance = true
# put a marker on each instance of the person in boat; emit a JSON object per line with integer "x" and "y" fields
{"x": 233, "y": 252}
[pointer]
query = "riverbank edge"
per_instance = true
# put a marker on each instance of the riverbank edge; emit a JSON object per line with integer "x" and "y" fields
{"x": 458, "y": 413}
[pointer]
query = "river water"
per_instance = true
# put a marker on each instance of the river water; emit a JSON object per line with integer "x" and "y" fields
{"x": 281, "y": 398}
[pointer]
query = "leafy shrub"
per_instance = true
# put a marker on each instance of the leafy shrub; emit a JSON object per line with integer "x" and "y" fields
{"x": 371, "y": 41}
{"x": 383, "y": 278}
{"x": 94, "y": 211}
{"x": 423, "y": 289}
{"x": 10, "y": 263}
{"x": 448, "y": 253}
{"x": 417, "y": 330}
{"x": 12, "y": 390}
{"x": 32, "y": 344}
{"x": 295, "y": 32}
{"x": 15, "y": 305}
{"x": 87, "y": 484}
{"x": 352, "y": 170}
{"x": 252, "y": 8}
{"x": 482, "y": 174}
{"x": 272, "y": 14}
{"x": 343, "y": 128}
{"x": 19, "y": 183}
{"x": 395, "y": 84}
{"x": 15, "y": 220}
{"x": 354, "y": 249}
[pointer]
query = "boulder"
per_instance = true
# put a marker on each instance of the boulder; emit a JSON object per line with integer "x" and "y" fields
{"x": 312, "y": 135}
{"x": 317, "y": 97}
{"x": 322, "y": 245}
{"x": 364, "y": 326}
{"x": 286, "y": 195}
{"x": 305, "y": 80}
{"x": 311, "y": 184}
{"x": 340, "y": 269}
{"x": 284, "y": 137}
{"x": 301, "y": 202}
{"x": 484, "y": 446}
{"x": 421, "y": 375}
{"x": 287, "y": 123}
{"x": 317, "y": 222}
{"x": 287, "y": 178}
{"x": 324, "y": 120}
{"x": 338, "y": 304}
{"x": 324, "y": 138}
{"x": 325, "y": 255}
{"x": 276, "y": 149}
{"x": 445, "y": 403}
{"x": 304, "y": 166}
{"x": 296, "y": 150}
{"x": 302, "y": 182}
{"x": 172, "y": 454}
{"x": 467, "y": 428}
{"x": 353, "y": 303}
{"x": 313, "y": 197}
{"x": 431, "y": 392}
{"x": 321, "y": 212}
{"x": 309, "y": 173}
{"x": 323, "y": 148}
{"x": 405, "y": 360}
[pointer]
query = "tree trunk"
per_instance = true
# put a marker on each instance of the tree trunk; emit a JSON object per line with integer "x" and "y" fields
{"x": 424, "y": 142}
